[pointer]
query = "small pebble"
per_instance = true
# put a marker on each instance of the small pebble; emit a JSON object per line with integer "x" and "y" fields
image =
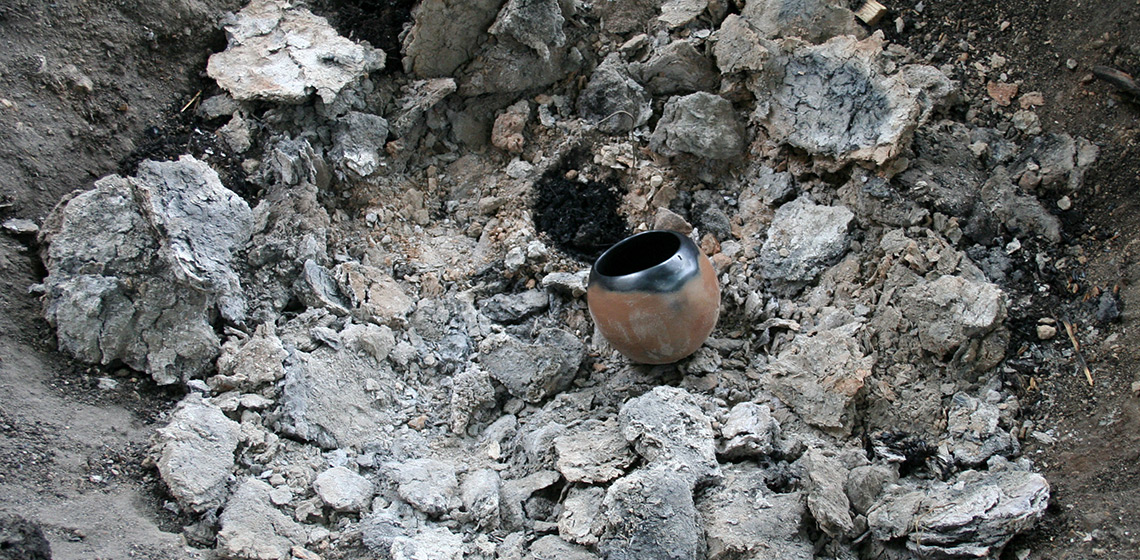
{"x": 1071, "y": 64}
{"x": 1046, "y": 332}
{"x": 1064, "y": 203}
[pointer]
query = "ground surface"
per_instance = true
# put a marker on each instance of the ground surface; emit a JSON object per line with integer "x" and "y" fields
{"x": 82, "y": 83}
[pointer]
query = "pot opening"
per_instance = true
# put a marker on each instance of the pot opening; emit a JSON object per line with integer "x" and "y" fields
{"x": 638, "y": 253}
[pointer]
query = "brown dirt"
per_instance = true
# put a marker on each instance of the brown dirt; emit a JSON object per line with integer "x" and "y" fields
{"x": 71, "y": 452}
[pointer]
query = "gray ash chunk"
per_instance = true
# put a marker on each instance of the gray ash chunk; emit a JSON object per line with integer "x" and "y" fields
{"x": 702, "y": 124}
{"x": 819, "y": 376}
{"x": 344, "y": 490}
{"x": 975, "y": 431}
{"x": 535, "y": 371}
{"x": 427, "y": 484}
{"x": 195, "y": 454}
{"x": 811, "y": 20}
{"x": 739, "y": 47}
{"x": 803, "y": 240}
{"x": 748, "y": 431}
{"x": 613, "y": 100}
{"x": 826, "y": 493}
{"x": 358, "y": 142}
{"x": 667, "y": 427}
{"x": 677, "y": 68}
{"x": 534, "y": 23}
{"x": 743, "y": 519}
{"x": 253, "y": 529}
{"x": 511, "y": 309}
{"x": 651, "y": 514}
{"x": 952, "y": 310}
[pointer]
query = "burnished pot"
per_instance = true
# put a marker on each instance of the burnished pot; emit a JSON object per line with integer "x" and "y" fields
{"x": 654, "y": 296}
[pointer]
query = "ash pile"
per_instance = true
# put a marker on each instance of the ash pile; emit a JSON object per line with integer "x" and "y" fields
{"x": 384, "y": 342}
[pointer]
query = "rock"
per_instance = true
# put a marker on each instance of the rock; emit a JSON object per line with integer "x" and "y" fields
{"x": 1027, "y": 122}
{"x": 137, "y": 265}
{"x": 480, "y": 496}
{"x": 344, "y": 490}
{"x": 976, "y": 515}
{"x": 623, "y": 17}
{"x": 819, "y": 376}
{"x": 417, "y": 98}
{"x": 676, "y": 68}
{"x": 1001, "y": 92}
{"x": 509, "y": 67}
{"x": 470, "y": 389}
{"x": 247, "y": 365}
{"x": 951, "y": 311}
{"x": 516, "y": 492}
{"x": 650, "y": 514}
{"x": 336, "y": 398}
{"x": 833, "y": 100}
{"x": 551, "y": 547}
{"x": 237, "y": 134}
{"x": 1046, "y": 332}
{"x": 826, "y": 479}
{"x": 678, "y": 13}
{"x": 374, "y": 340}
{"x": 667, "y": 427}
{"x": 357, "y": 143}
{"x": 581, "y": 519}
{"x": 317, "y": 288}
{"x": 803, "y": 240}
{"x": 195, "y": 454}
{"x": 865, "y": 485}
{"x": 511, "y": 309}
{"x": 429, "y": 543}
{"x": 21, "y": 226}
{"x": 613, "y": 100}
{"x": 372, "y": 294}
{"x": 427, "y": 484}
{"x": 593, "y": 452}
{"x": 252, "y": 529}
{"x": 507, "y": 133}
{"x": 975, "y": 434}
{"x": 446, "y": 35}
{"x": 534, "y": 23}
{"x": 571, "y": 284}
{"x": 748, "y": 431}
{"x": 702, "y": 124}
{"x": 743, "y": 519}
{"x": 875, "y": 201}
{"x": 281, "y": 53}
{"x": 1020, "y": 213}
{"x": 739, "y": 47}
{"x": 533, "y": 372}
{"x": 811, "y": 20}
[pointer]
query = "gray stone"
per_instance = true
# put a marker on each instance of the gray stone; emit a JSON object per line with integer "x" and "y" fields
{"x": 819, "y": 375}
{"x": 535, "y": 371}
{"x": 1022, "y": 214}
{"x": 534, "y": 23}
{"x": 865, "y": 485}
{"x": 875, "y": 201}
{"x": 344, "y": 490}
{"x": 626, "y": 16}
{"x": 21, "y": 226}
{"x": 743, "y": 519}
{"x": 803, "y": 240}
{"x": 372, "y": 294}
{"x": 374, "y": 340}
{"x": 952, "y": 310}
{"x": 833, "y": 100}
{"x": 195, "y": 454}
{"x": 336, "y": 399}
{"x": 739, "y": 47}
{"x": 975, "y": 432}
{"x": 429, "y": 543}
{"x": 650, "y": 514}
{"x": 508, "y": 67}
{"x": 358, "y": 142}
{"x": 748, "y": 431}
{"x": 571, "y": 284}
{"x": 516, "y": 492}
{"x": 446, "y": 35}
{"x": 826, "y": 479}
{"x": 702, "y": 124}
{"x": 613, "y": 100}
{"x": 252, "y": 529}
{"x": 248, "y": 364}
{"x": 551, "y": 547}
{"x": 678, "y": 13}
{"x": 581, "y": 519}
{"x": 137, "y": 265}
{"x": 667, "y": 427}
{"x": 676, "y": 68}
{"x": 470, "y": 389}
{"x": 511, "y": 309}
{"x": 317, "y": 288}
{"x": 480, "y": 496}
{"x": 278, "y": 52}
{"x": 593, "y": 452}
{"x": 427, "y": 484}
{"x": 418, "y": 97}
{"x": 811, "y": 20}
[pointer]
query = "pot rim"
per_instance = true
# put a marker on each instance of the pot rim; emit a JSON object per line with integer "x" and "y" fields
{"x": 662, "y": 268}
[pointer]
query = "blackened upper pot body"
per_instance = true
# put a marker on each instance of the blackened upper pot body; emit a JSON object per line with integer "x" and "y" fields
{"x": 654, "y": 296}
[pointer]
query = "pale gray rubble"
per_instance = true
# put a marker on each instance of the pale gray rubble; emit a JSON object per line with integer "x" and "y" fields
{"x": 344, "y": 490}
{"x": 534, "y": 23}
{"x": 429, "y": 485}
{"x": 283, "y": 53}
{"x": 194, "y": 453}
{"x": 825, "y": 482}
{"x": 952, "y": 310}
{"x": 250, "y": 363}
{"x": 253, "y": 529}
{"x": 975, "y": 432}
{"x": 581, "y": 520}
{"x": 514, "y": 308}
{"x": 551, "y": 547}
{"x": 480, "y": 494}
{"x": 802, "y": 241}
{"x": 593, "y": 452}
{"x": 702, "y": 124}
{"x": 396, "y": 533}
{"x": 667, "y": 427}
{"x": 744, "y": 519}
{"x": 972, "y": 516}
{"x": 650, "y": 514}
{"x": 137, "y": 266}
{"x": 446, "y": 35}
{"x": 812, "y": 20}
{"x": 739, "y": 46}
{"x": 676, "y": 68}
{"x": 819, "y": 375}
{"x": 613, "y": 100}
{"x": 534, "y": 371}
{"x": 835, "y": 101}
{"x": 471, "y": 389}
{"x": 748, "y": 431}
{"x": 677, "y": 13}
{"x": 358, "y": 142}
{"x": 372, "y": 294}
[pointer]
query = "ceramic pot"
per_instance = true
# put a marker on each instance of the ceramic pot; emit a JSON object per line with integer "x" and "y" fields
{"x": 654, "y": 296}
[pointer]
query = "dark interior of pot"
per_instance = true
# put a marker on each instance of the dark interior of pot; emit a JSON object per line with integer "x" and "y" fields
{"x": 638, "y": 253}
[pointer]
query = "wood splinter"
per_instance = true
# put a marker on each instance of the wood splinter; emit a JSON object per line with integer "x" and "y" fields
{"x": 1072, "y": 332}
